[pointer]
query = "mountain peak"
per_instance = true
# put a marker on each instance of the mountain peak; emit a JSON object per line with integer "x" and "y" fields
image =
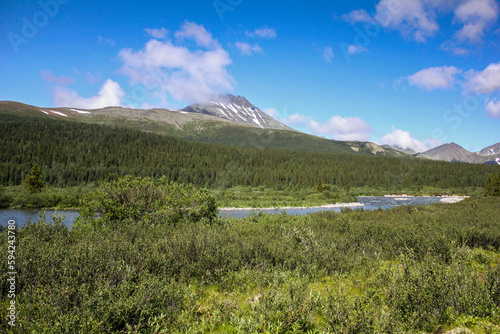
{"x": 237, "y": 109}
{"x": 490, "y": 150}
{"x": 450, "y": 152}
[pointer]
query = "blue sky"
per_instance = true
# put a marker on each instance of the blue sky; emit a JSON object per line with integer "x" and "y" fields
{"x": 413, "y": 73}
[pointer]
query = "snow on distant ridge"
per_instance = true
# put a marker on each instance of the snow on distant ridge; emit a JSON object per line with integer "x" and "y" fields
{"x": 80, "y": 111}
{"x": 58, "y": 113}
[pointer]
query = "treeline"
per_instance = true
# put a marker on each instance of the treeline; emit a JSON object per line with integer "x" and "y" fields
{"x": 72, "y": 154}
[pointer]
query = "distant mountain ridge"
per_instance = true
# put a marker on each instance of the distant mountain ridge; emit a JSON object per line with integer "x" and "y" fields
{"x": 453, "y": 152}
{"x": 400, "y": 149}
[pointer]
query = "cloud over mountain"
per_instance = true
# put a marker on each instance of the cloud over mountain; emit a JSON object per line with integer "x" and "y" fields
{"x": 337, "y": 127}
{"x": 170, "y": 69}
{"x": 404, "y": 140}
{"x": 110, "y": 94}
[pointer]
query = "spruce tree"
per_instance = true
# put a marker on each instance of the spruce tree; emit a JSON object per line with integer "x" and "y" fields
{"x": 319, "y": 187}
{"x": 34, "y": 180}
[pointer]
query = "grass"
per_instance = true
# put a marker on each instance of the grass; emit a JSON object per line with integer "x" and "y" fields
{"x": 239, "y": 196}
{"x": 261, "y": 197}
{"x": 17, "y": 197}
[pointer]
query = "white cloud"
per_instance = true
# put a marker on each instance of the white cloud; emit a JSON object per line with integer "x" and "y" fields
{"x": 475, "y": 15}
{"x": 265, "y": 32}
{"x": 419, "y": 18}
{"x": 342, "y": 128}
{"x": 248, "y": 49}
{"x": 161, "y": 33}
{"x": 404, "y": 140}
{"x": 292, "y": 120}
{"x": 110, "y": 94}
{"x": 356, "y": 49}
{"x": 198, "y": 33}
{"x": 434, "y": 77}
{"x": 415, "y": 18}
{"x": 273, "y": 112}
{"x": 453, "y": 47}
{"x": 356, "y": 16}
{"x": 328, "y": 54}
{"x": 484, "y": 82}
{"x": 103, "y": 40}
{"x": 493, "y": 108}
{"x": 167, "y": 69}
{"x": 58, "y": 80}
{"x": 337, "y": 127}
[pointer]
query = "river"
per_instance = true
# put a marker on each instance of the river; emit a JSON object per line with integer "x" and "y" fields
{"x": 21, "y": 216}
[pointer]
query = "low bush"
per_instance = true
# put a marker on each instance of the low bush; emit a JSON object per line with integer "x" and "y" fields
{"x": 146, "y": 200}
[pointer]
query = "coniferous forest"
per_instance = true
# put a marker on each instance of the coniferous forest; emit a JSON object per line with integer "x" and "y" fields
{"x": 71, "y": 154}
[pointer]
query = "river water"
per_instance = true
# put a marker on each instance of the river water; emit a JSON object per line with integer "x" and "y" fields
{"x": 22, "y": 216}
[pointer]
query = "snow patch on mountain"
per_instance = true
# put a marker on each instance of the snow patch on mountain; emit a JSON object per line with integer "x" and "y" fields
{"x": 237, "y": 109}
{"x": 80, "y": 111}
{"x": 58, "y": 113}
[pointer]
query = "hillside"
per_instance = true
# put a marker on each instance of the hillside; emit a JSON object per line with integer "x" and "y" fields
{"x": 198, "y": 126}
{"x": 74, "y": 153}
{"x": 232, "y": 121}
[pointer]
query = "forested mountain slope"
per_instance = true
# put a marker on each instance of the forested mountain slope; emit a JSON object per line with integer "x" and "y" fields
{"x": 196, "y": 127}
{"x": 73, "y": 153}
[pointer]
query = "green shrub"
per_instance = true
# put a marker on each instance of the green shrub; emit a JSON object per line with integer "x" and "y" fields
{"x": 428, "y": 293}
{"x": 492, "y": 186}
{"x": 146, "y": 200}
{"x": 34, "y": 180}
{"x": 5, "y": 199}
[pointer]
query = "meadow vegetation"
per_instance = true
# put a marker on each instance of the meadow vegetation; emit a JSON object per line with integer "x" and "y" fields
{"x": 127, "y": 266}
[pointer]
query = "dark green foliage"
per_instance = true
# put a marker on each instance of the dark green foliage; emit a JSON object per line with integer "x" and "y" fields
{"x": 492, "y": 187}
{"x": 5, "y": 199}
{"x": 319, "y": 186}
{"x": 429, "y": 293}
{"x": 150, "y": 201}
{"x": 34, "y": 180}
{"x": 50, "y": 197}
{"x": 73, "y": 154}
